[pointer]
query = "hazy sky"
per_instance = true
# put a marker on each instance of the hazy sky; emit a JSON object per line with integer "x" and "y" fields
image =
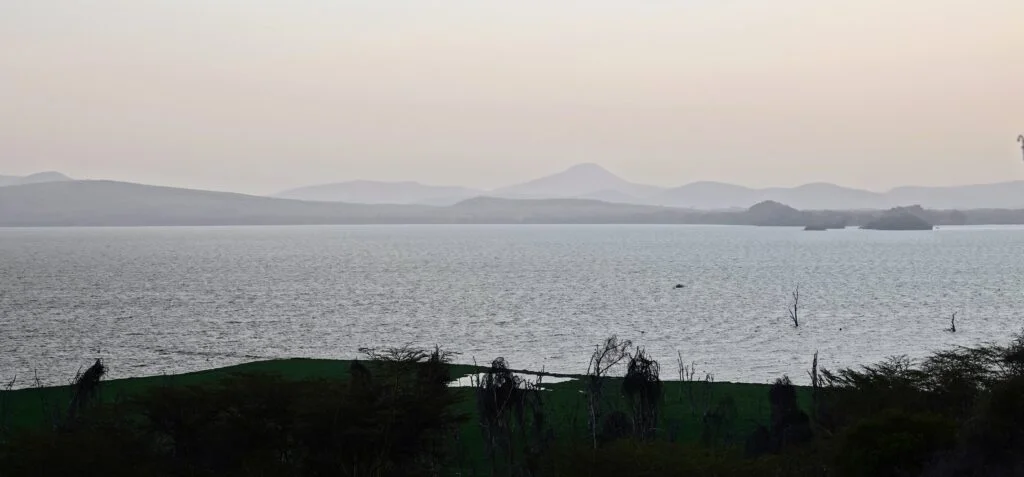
{"x": 259, "y": 95}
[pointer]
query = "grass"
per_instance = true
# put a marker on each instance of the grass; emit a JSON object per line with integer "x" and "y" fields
{"x": 564, "y": 402}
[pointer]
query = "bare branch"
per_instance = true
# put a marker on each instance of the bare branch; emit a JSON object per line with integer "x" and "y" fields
{"x": 794, "y": 307}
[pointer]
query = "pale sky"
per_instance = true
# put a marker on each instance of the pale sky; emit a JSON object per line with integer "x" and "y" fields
{"x": 259, "y": 95}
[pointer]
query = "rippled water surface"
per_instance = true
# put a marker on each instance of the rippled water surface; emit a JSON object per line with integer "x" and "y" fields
{"x": 167, "y": 300}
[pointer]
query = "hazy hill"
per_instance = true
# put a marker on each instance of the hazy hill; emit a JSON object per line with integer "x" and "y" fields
{"x": 372, "y": 192}
{"x": 38, "y": 178}
{"x": 708, "y": 196}
{"x": 106, "y": 203}
{"x": 110, "y": 203}
{"x": 821, "y": 196}
{"x": 775, "y": 214}
{"x": 566, "y": 211}
{"x": 1005, "y": 195}
{"x": 591, "y": 181}
{"x": 584, "y": 180}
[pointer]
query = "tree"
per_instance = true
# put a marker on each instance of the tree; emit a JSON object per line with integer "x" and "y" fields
{"x": 794, "y": 308}
{"x": 602, "y": 361}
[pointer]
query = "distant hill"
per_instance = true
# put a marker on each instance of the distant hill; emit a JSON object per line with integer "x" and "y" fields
{"x": 776, "y": 214}
{"x": 591, "y": 181}
{"x": 371, "y": 192}
{"x": 107, "y": 203}
{"x": 818, "y": 196}
{"x": 821, "y": 196}
{"x": 38, "y": 178}
{"x": 901, "y": 218}
{"x": 708, "y": 196}
{"x": 583, "y": 180}
{"x": 1005, "y": 195}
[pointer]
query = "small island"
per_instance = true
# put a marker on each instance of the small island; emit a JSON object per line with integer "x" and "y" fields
{"x": 823, "y": 226}
{"x": 899, "y": 220}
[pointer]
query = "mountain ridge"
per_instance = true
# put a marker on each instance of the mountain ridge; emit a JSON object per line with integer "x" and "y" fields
{"x": 112, "y": 203}
{"x": 380, "y": 192}
{"x": 592, "y": 181}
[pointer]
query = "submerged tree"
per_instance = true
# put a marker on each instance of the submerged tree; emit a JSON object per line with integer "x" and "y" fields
{"x": 794, "y": 308}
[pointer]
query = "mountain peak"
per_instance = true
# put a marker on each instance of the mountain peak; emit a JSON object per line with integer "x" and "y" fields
{"x": 37, "y": 178}
{"x": 48, "y": 176}
{"x": 588, "y": 166}
{"x": 580, "y": 180}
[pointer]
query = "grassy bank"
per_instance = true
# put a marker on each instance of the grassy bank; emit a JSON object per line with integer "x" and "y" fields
{"x": 957, "y": 412}
{"x": 683, "y": 406}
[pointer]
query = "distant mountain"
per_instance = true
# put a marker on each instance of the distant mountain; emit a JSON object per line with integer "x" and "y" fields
{"x": 38, "y": 178}
{"x": 591, "y": 181}
{"x": 1005, "y": 195}
{"x": 901, "y": 218}
{"x": 771, "y": 213}
{"x": 583, "y": 180}
{"x": 708, "y": 196}
{"x": 371, "y": 192}
{"x": 107, "y": 203}
{"x": 821, "y": 196}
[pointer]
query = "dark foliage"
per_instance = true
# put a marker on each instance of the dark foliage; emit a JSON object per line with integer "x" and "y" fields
{"x": 642, "y": 387}
{"x": 390, "y": 419}
{"x": 85, "y": 387}
{"x": 956, "y": 413}
{"x": 512, "y": 420}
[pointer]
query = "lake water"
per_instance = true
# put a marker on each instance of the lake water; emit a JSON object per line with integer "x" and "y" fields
{"x": 168, "y": 300}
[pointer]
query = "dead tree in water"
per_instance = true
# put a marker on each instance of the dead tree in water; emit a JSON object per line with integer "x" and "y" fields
{"x": 794, "y": 308}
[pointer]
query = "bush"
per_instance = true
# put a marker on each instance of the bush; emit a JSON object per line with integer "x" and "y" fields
{"x": 894, "y": 443}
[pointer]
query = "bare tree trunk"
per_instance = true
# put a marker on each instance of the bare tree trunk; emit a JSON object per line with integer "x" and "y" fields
{"x": 794, "y": 307}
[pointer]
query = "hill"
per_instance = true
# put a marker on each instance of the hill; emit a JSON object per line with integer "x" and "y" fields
{"x": 591, "y": 181}
{"x": 38, "y": 178}
{"x": 371, "y": 192}
{"x": 771, "y": 213}
{"x": 901, "y": 218}
{"x": 107, "y": 203}
{"x": 583, "y": 180}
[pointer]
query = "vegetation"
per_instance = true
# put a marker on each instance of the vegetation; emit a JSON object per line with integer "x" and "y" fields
{"x": 956, "y": 413}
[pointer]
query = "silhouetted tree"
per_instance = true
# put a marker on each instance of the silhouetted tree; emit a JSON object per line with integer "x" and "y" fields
{"x": 642, "y": 387}
{"x": 605, "y": 357}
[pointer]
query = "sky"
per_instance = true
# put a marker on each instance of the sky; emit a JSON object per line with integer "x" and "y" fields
{"x": 259, "y": 96}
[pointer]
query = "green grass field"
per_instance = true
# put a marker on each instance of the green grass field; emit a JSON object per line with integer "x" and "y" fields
{"x": 683, "y": 405}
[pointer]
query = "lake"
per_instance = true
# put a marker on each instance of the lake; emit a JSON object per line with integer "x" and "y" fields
{"x": 169, "y": 300}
